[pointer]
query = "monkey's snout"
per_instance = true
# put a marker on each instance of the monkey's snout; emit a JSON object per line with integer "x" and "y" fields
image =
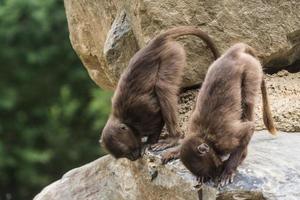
{"x": 136, "y": 154}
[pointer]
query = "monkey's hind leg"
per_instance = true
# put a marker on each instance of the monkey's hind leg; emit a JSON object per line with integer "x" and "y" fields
{"x": 251, "y": 81}
{"x": 166, "y": 88}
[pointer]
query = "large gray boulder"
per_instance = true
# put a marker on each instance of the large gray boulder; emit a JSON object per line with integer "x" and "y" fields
{"x": 105, "y": 34}
{"x": 271, "y": 171}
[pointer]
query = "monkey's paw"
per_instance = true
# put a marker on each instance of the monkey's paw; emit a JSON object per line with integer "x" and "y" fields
{"x": 200, "y": 182}
{"x": 170, "y": 155}
{"x": 226, "y": 178}
{"x": 164, "y": 144}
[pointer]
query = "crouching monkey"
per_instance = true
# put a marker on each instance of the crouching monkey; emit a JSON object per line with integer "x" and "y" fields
{"x": 146, "y": 95}
{"x": 222, "y": 122}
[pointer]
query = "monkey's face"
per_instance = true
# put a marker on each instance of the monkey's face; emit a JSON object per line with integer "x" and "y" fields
{"x": 121, "y": 141}
{"x": 199, "y": 158}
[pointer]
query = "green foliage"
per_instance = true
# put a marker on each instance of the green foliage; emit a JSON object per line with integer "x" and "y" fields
{"x": 51, "y": 113}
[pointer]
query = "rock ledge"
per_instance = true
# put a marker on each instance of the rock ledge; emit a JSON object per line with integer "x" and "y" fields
{"x": 271, "y": 171}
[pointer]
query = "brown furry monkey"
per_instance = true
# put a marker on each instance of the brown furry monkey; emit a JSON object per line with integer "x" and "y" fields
{"x": 222, "y": 122}
{"x": 146, "y": 95}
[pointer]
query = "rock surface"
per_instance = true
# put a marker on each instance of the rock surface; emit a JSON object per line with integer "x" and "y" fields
{"x": 106, "y": 33}
{"x": 284, "y": 97}
{"x": 283, "y": 91}
{"x": 271, "y": 171}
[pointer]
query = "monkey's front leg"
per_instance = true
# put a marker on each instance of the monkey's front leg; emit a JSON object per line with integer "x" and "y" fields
{"x": 152, "y": 139}
{"x": 166, "y": 90}
{"x": 230, "y": 166}
{"x": 168, "y": 105}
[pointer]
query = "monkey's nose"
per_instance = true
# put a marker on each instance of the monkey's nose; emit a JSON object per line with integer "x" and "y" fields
{"x": 136, "y": 154}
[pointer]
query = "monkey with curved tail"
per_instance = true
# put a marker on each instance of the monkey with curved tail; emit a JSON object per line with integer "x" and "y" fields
{"x": 146, "y": 96}
{"x": 222, "y": 122}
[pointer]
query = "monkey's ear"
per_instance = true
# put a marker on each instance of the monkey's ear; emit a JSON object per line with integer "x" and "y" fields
{"x": 203, "y": 149}
{"x": 123, "y": 127}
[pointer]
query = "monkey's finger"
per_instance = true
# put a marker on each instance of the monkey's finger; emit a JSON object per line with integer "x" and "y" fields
{"x": 224, "y": 180}
{"x": 202, "y": 180}
{"x": 222, "y": 183}
{"x": 166, "y": 159}
{"x": 227, "y": 180}
{"x": 232, "y": 178}
{"x": 157, "y": 146}
{"x": 161, "y": 146}
{"x": 145, "y": 148}
{"x": 199, "y": 178}
{"x": 219, "y": 185}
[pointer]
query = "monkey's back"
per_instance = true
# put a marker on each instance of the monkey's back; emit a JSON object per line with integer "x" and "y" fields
{"x": 135, "y": 101}
{"x": 219, "y": 100}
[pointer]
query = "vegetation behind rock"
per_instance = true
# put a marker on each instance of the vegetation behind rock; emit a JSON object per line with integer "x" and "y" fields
{"x": 51, "y": 113}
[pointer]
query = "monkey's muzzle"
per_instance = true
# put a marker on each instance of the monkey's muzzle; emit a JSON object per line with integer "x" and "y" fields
{"x": 134, "y": 155}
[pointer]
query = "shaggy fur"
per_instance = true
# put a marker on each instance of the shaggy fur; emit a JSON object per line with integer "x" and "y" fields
{"x": 222, "y": 120}
{"x": 146, "y": 95}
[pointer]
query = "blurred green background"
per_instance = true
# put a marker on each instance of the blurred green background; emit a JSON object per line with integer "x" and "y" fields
{"x": 51, "y": 113}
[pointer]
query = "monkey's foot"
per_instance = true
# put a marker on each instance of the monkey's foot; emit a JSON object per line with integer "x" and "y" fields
{"x": 145, "y": 147}
{"x": 164, "y": 144}
{"x": 226, "y": 178}
{"x": 170, "y": 155}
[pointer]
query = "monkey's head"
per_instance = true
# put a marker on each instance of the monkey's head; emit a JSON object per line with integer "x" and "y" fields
{"x": 120, "y": 140}
{"x": 200, "y": 158}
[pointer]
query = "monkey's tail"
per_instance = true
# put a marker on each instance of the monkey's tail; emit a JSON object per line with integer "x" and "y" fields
{"x": 192, "y": 30}
{"x": 267, "y": 115}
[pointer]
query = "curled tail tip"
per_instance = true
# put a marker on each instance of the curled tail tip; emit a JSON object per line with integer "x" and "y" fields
{"x": 273, "y": 131}
{"x": 269, "y": 124}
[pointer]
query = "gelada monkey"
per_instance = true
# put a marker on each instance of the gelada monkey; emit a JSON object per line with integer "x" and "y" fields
{"x": 222, "y": 122}
{"x": 146, "y": 95}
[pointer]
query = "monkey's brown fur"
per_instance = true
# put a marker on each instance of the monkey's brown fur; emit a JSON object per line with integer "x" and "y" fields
{"x": 222, "y": 121}
{"x": 146, "y": 95}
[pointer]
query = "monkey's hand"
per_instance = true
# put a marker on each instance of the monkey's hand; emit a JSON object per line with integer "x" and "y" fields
{"x": 227, "y": 176}
{"x": 171, "y": 154}
{"x": 165, "y": 143}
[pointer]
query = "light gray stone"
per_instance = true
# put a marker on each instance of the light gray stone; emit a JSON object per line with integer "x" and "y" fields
{"x": 120, "y": 45}
{"x": 271, "y": 171}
